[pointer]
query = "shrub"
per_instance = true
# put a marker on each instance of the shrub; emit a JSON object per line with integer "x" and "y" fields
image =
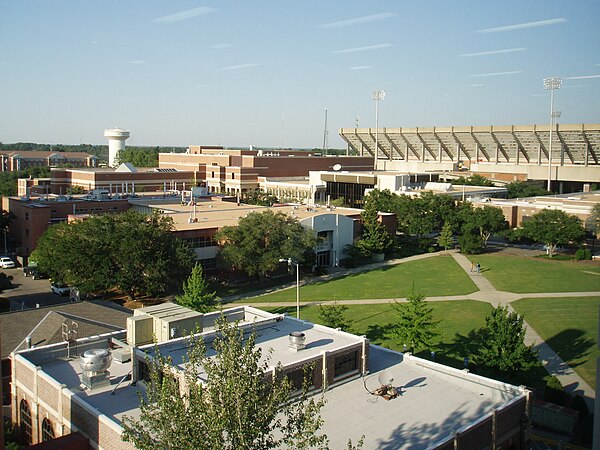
{"x": 555, "y": 393}
{"x": 5, "y": 282}
{"x": 583, "y": 254}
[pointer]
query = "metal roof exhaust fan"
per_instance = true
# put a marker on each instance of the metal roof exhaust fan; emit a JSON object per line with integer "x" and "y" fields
{"x": 297, "y": 340}
{"x": 94, "y": 364}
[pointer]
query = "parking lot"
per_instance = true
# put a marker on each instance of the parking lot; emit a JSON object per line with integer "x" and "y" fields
{"x": 29, "y": 293}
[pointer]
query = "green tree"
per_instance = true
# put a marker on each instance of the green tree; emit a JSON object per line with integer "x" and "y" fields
{"x": 139, "y": 157}
{"x": 235, "y": 408}
{"x": 523, "y": 189}
{"x": 260, "y": 240}
{"x": 196, "y": 294}
{"x": 375, "y": 237}
{"x": 332, "y": 315}
{"x": 487, "y": 220}
{"x": 445, "y": 239}
{"x": 502, "y": 347}
{"x": 553, "y": 227}
{"x": 470, "y": 239}
{"x": 473, "y": 180}
{"x": 134, "y": 253}
{"x": 415, "y": 326}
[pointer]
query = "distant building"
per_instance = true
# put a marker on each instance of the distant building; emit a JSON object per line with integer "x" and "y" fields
{"x": 236, "y": 171}
{"x": 518, "y": 210}
{"x": 352, "y": 187}
{"x": 438, "y": 407}
{"x": 19, "y": 160}
{"x": 124, "y": 179}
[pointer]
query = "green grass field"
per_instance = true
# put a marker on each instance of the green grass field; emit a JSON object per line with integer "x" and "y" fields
{"x": 435, "y": 276}
{"x": 521, "y": 275}
{"x": 569, "y": 326}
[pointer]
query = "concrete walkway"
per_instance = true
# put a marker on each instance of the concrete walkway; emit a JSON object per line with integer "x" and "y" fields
{"x": 486, "y": 293}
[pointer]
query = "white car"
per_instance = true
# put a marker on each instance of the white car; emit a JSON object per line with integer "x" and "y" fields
{"x": 60, "y": 289}
{"x": 7, "y": 263}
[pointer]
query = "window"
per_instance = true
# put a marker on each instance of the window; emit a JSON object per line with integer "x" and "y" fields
{"x": 25, "y": 421}
{"x": 47, "y": 430}
{"x": 345, "y": 363}
{"x": 201, "y": 241}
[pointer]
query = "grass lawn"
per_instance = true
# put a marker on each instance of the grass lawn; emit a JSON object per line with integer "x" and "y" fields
{"x": 435, "y": 276}
{"x": 569, "y": 326}
{"x": 521, "y": 275}
{"x": 454, "y": 317}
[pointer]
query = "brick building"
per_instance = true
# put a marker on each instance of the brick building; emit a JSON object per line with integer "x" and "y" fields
{"x": 233, "y": 171}
{"x": 124, "y": 179}
{"x": 439, "y": 407}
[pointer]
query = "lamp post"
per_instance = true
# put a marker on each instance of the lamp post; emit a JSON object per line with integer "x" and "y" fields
{"x": 551, "y": 84}
{"x": 290, "y": 262}
{"x": 377, "y": 96}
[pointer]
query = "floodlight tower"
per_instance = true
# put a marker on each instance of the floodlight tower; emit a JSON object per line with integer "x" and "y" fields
{"x": 377, "y": 96}
{"x": 551, "y": 84}
{"x": 116, "y": 142}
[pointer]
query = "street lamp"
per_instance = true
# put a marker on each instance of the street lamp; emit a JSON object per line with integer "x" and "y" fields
{"x": 290, "y": 262}
{"x": 551, "y": 83}
{"x": 377, "y": 96}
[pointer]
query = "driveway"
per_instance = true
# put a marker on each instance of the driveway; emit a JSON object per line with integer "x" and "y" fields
{"x": 28, "y": 293}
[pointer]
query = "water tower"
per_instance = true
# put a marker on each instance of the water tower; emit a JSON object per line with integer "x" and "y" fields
{"x": 116, "y": 141}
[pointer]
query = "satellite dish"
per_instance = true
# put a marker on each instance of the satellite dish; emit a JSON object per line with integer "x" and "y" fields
{"x": 385, "y": 378}
{"x": 337, "y": 167}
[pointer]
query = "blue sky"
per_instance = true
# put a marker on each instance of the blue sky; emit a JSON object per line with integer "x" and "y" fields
{"x": 262, "y": 73}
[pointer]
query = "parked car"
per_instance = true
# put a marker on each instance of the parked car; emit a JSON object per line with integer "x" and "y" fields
{"x": 36, "y": 274}
{"x": 60, "y": 289}
{"x": 28, "y": 271}
{"x": 7, "y": 263}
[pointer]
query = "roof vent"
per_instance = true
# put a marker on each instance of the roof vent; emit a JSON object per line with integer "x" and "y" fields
{"x": 297, "y": 339}
{"x": 94, "y": 364}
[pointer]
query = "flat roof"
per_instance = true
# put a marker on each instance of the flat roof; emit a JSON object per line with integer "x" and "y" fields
{"x": 216, "y": 214}
{"x": 434, "y": 402}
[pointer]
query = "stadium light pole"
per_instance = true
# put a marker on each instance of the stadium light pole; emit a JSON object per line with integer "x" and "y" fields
{"x": 290, "y": 262}
{"x": 551, "y": 84}
{"x": 377, "y": 96}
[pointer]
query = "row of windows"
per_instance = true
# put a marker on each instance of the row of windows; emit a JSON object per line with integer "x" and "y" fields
{"x": 201, "y": 241}
{"x": 26, "y": 424}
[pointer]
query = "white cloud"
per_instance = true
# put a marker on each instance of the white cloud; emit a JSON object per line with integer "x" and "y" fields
{"x": 523, "y": 26}
{"x": 185, "y": 15}
{"x": 221, "y": 45}
{"x": 363, "y": 49}
{"x": 361, "y": 67}
{"x": 583, "y": 77}
{"x": 240, "y": 66}
{"x": 202, "y": 85}
{"x": 495, "y": 52}
{"x": 358, "y": 20}
{"x": 495, "y": 74}
{"x": 138, "y": 61}
{"x": 476, "y": 85}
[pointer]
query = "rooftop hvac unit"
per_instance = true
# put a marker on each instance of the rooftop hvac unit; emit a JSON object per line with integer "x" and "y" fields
{"x": 139, "y": 330}
{"x": 94, "y": 364}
